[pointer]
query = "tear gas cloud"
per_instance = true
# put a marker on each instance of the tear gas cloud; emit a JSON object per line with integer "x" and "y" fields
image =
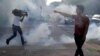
{"x": 31, "y": 6}
{"x": 40, "y": 32}
{"x": 91, "y": 6}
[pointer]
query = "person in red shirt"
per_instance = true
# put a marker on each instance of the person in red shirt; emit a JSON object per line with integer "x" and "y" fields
{"x": 81, "y": 27}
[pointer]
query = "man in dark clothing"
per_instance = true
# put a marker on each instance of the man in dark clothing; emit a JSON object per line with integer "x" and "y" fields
{"x": 81, "y": 28}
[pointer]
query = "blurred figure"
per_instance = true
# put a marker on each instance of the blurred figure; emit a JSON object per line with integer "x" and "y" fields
{"x": 18, "y": 17}
{"x": 81, "y": 27}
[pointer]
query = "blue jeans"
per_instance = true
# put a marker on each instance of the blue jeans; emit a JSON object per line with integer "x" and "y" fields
{"x": 15, "y": 30}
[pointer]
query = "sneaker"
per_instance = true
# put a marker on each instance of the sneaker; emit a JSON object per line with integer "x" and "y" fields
{"x": 24, "y": 43}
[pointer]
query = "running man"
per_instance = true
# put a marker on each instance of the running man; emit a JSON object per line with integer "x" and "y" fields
{"x": 18, "y": 17}
{"x": 81, "y": 28}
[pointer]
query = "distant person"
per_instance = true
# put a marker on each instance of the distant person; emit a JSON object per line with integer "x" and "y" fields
{"x": 18, "y": 17}
{"x": 81, "y": 28}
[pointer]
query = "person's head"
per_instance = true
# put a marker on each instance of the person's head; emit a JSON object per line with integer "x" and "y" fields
{"x": 16, "y": 12}
{"x": 19, "y": 13}
{"x": 80, "y": 9}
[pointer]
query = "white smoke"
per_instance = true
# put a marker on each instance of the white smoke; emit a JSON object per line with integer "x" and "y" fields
{"x": 40, "y": 34}
{"x": 34, "y": 18}
{"x": 91, "y": 6}
{"x": 93, "y": 32}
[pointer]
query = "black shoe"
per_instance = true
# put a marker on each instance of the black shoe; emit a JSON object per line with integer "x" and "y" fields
{"x": 7, "y": 42}
{"x": 23, "y": 43}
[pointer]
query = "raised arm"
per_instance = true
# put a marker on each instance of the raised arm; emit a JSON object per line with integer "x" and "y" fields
{"x": 22, "y": 18}
{"x": 64, "y": 14}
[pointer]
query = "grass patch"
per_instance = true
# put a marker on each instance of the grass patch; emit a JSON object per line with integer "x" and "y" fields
{"x": 92, "y": 49}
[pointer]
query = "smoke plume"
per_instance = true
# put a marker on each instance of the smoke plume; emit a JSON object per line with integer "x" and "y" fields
{"x": 38, "y": 30}
{"x": 91, "y": 6}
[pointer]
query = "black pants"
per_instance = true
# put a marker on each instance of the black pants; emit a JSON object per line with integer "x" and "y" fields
{"x": 15, "y": 30}
{"x": 79, "y": 40}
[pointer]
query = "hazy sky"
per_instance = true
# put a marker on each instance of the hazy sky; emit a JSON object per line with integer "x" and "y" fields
{"x": 50, "y": 1}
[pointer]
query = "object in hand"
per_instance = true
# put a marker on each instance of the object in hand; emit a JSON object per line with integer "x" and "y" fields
{"x": 23, "y": 13}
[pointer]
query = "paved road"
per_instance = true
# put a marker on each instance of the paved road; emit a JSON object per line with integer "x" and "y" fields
{"x": 52, "y": 50}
